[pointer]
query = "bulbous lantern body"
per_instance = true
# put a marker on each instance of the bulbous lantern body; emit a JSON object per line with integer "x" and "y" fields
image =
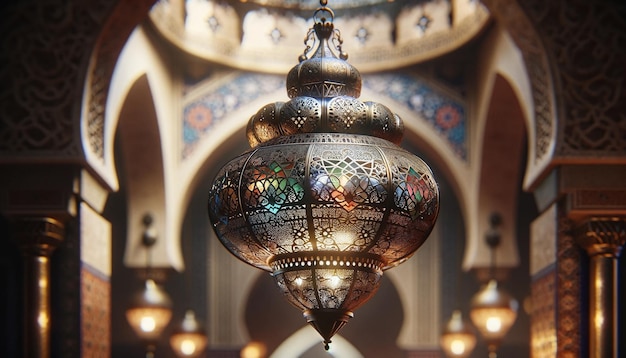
{"x": 325, "y": 200}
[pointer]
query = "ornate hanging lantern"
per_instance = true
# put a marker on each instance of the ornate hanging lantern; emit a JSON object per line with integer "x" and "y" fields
{"x": 325, "y": 200}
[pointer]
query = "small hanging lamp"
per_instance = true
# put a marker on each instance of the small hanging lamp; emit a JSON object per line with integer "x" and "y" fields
{"x": 189, "y": 339}
{"x": 457, "y": 339}
{"x": 150, "y": 309}
{"x": 493, "y": 311}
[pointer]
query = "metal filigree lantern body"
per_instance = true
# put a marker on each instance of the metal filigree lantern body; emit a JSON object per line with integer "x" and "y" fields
{"x": 326, "y": 200}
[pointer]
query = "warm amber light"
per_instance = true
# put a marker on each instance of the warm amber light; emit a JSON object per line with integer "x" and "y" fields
{"x": 493, "y": 312}
{"x": 253, "y": 350}
{"x": 43, "y": 319}
{"x": 147, "y": 324}
{"x": 187, "y": 347}
{"x": 458, "y": 339}
{"x": 493, "y": 324}
{"x": 188, "y": 344}
{"x": 189, "y": 339}
{"x": 150, "y": 311}
{"x": 457, "y": 347}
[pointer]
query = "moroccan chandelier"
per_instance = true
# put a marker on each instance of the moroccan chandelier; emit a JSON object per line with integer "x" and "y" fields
{"x": 325, "y": 200}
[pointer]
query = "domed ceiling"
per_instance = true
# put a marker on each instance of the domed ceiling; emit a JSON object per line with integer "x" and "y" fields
{"x": 268, "y": 35}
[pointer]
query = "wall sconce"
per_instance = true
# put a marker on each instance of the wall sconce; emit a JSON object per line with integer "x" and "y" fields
{"x": 189, "y": 339}
{"x": 151, "y": 309}
{"x": 493, "y": 311}
{"x": 457, "y": 339}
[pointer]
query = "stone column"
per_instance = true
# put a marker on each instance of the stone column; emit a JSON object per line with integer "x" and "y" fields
{"x": 37, "y": 238}
{"x": 602, "y": 238}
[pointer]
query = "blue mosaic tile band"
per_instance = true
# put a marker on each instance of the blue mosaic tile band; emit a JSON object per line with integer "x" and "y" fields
{"x": 205, "y": 112}
{"x": 444, "y": 113}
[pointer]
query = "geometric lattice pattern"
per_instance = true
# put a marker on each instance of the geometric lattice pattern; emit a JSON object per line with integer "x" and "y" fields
{"x": 324, "y": 192}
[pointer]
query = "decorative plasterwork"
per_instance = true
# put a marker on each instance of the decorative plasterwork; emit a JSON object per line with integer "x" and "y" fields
{"x": 271, "y": 39}
{"x": 583, "y": 46}
{"x": 43, "y": 58}
{"x": 577, "y": 76}
{"x": 114, "y": 35}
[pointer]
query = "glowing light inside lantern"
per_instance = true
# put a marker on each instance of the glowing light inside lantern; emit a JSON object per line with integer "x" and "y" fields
{"x": 188, "y": 347}
{"x": 147, "y": 324}
{"x": 493, "y": 324}
{"x": 457, "y": 347}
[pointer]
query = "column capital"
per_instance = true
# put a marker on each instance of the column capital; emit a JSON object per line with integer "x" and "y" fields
{"x": 38, "y": 235}
{"x": 603, "y": 236}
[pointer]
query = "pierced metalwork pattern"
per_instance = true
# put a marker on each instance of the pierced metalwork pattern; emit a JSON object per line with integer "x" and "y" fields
{"x": 302, "y": 114}
{"x": 344, "y": 113}
{"x": 341, "y": 114}
{"x": 264, "y": 125}
{"x": 327, "y": 280}
{"x": 324, "y": 192}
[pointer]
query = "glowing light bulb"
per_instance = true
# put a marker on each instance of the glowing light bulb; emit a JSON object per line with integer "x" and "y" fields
{"x": 188, "y": 347}
{"x": 493, "y": 324}
{"x": 334, "y": 280}
{"x": 457, "y": 347}
{"x": 147, "y": 324}
{"x": 299, "y": 281}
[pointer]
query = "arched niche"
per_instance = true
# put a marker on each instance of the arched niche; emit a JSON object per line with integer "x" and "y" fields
{"x": 142, "y": 159}
{"x": 502, "y": 139}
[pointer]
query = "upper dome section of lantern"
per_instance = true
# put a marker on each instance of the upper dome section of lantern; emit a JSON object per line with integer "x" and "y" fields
{"x": 324, "y": 74}
{"x": 323, "y": 89}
